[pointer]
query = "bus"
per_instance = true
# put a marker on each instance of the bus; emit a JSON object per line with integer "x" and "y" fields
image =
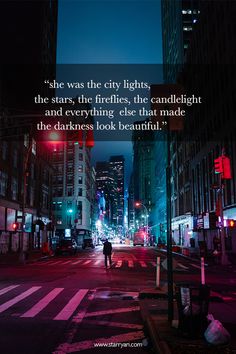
{"x": 139, "y": 238}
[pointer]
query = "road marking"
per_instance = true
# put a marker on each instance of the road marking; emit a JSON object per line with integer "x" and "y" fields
{"x": 195, "y": 265}
{"x": 5, "y": 290}
{"x": 182, "y": 266}
{"x": 106, "y": 312}
{"x": 131, "y": 264}
{"x": 81, "y": 260}
{"x": 18, "y": 298}
{"x": 42, "y": 303}
{"x": 72, "y": 305}
{"x": 99, "y": 342}
{"x": 53, "y": 263}
{"x": 115, "y": 324}
{"x": 98, "y": 262}
{"x": 143, "y": 264}
{"x": 118, "y": 264}
{"x": 66, "y": 262}
{"x": 87, "y": 262}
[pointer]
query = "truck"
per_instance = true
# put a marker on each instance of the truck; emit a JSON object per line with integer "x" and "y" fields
{"x": 139, "y": 238}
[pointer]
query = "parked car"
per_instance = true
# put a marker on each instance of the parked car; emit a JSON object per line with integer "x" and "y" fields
{"x": 87, "y": 242}
{"x": 67, "y": 246}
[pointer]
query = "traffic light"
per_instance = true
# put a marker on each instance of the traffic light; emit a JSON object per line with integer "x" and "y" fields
{"x": 226, "y": 168}
{"x": 15, "y": 226}
{"x": 218, "y": 164}
{"x": 231, "y": 223}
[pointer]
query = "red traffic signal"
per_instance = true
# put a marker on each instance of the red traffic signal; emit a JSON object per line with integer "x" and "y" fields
{"x": 226, "y": 168}
{"x": 230, "y": 223}
{"x": 15, "y": 226}
{"x": 218, "y": 164}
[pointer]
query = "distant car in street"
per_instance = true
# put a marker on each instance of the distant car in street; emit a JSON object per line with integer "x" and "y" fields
{"x": 139, "y": 238}
{"x": 66, "y": 247}
{"x": 87, "y": 242}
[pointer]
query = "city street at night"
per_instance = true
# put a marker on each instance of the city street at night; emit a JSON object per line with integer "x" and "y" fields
{"x": 117, "y": 177}
{"x": 73, "y": 302}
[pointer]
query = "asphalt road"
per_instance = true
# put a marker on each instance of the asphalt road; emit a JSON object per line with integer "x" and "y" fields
{"x": 72, "y": 304}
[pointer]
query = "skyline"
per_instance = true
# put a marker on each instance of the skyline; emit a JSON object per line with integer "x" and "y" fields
{"x": 130, "y": 43}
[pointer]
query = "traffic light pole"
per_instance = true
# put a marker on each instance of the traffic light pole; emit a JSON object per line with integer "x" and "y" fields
{"x": 224, "y": 257}
{"x": 25, "y": 175}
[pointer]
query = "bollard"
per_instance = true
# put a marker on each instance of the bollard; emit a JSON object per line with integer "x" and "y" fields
{"x": 158, "y": 272}
{"x": 203, "y": 282}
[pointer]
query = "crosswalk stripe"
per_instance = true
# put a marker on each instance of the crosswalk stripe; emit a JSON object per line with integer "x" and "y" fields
{"x": 42, "y": 303}
{"x": 18, "y": 298}
{"x": 5, "y": 290}
{"x": 80, "y": 260}
{"x": 98, "y": 262}
{"x": 66, "y": 262}
{"x": 143, "y": 264}
{"x": 182, "y": 266}
{"x": 87, "y": 262}
{"x": 131, "y": 264}
{"x": 72, "y": 305}
{"x": 195, "y": 265}
{"x": 118, "y": 264}
{"x": 53, "y": 263}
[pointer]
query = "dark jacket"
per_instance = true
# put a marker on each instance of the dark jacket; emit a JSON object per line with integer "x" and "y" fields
{"x": 107, "y": 248}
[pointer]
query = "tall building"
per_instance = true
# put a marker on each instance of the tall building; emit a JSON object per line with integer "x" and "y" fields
{"x": 107, "y": 187}
{"x": 110, "y": 182}
{"x": 28, "y": 41}
{"x": 73, "y": 188}
{"x": 179, "y": 18}
{"x": 144, "y": 184}
{"x": 117, "y": 165}
{"x": 209, "y": 72}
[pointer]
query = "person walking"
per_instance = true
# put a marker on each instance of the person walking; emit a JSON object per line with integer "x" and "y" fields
{"x": 107, "y": 249}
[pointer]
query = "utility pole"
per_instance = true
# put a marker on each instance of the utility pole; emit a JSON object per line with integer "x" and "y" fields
{"x": 169, "y": 230}
{"x": 222, "y": 167}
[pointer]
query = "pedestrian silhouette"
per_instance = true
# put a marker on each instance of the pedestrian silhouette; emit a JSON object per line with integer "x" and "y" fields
{"x": 107, "y": 248}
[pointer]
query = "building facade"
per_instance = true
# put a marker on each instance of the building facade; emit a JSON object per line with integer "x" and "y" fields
{"x": 208, "y": 70}
{"x": 29, "y": 46}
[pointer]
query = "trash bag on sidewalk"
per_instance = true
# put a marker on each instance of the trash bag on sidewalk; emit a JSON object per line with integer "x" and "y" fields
{"x": 216, "y": 333}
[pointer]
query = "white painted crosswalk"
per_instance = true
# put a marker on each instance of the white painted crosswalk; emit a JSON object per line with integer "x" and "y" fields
{"x": 38, "y": 305}
{"x": 118, "y": 263}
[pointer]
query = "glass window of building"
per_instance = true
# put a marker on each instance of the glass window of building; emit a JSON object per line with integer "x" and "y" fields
{"x": 14, "y": 188}
{"x": 59, "y": 219}
{"x": 69, "y": 191}
{"x": 80, "y": 180}
{"x": 80, "y": 157}
{"x": 3, "y": 183}
{"x": 80, "y": 192}
{"x": 80, "y": 168}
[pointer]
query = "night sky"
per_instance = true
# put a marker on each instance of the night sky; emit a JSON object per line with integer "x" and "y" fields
{"x": 109, "y": 32}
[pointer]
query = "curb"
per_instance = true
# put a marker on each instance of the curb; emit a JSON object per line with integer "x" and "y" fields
{"x": 160, "y": 346}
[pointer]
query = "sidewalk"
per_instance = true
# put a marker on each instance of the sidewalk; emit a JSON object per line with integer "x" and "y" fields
{"x": 14, "y": 258}
{"x": 168, "y": 340}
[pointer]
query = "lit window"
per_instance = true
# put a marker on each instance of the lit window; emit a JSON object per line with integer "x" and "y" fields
{"x": 187, "y": 28}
